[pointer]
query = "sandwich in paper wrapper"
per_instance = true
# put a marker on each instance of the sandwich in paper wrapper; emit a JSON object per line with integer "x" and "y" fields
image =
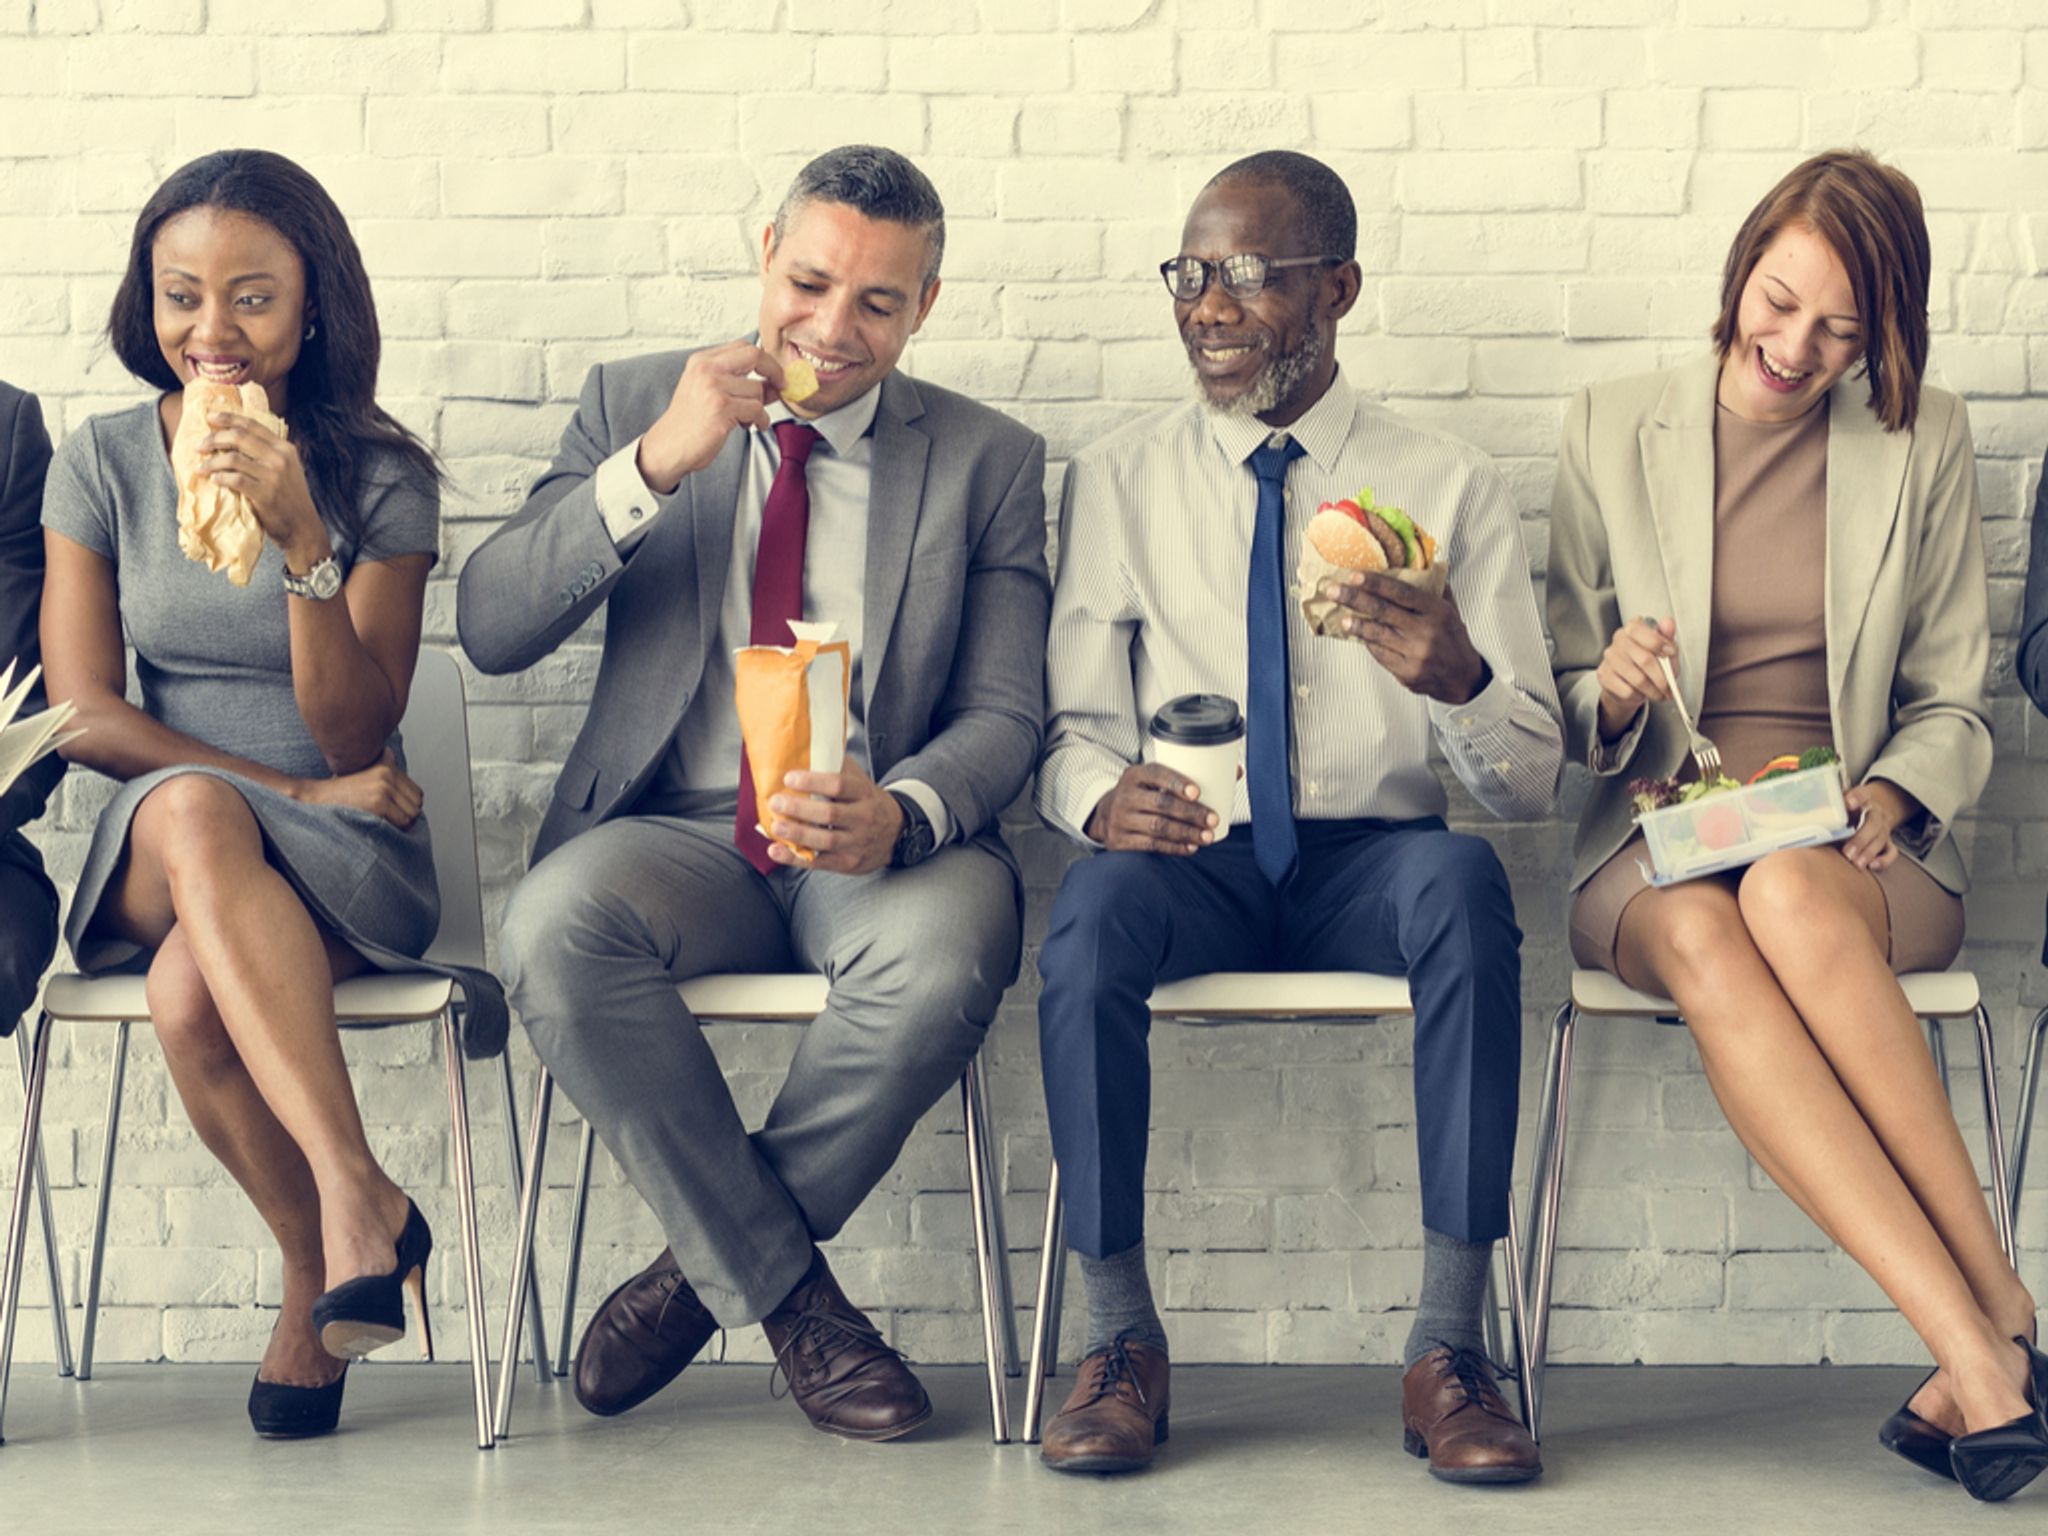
{"x": 215, "y": 525}
{"x": 1357, "y": 534}
{"x": 792, "y": 703}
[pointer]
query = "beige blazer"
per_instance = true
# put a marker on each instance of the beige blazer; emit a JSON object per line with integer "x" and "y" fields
{"x": 1907, "y": 616}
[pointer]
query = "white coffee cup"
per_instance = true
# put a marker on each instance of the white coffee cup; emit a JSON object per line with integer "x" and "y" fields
{"x": 1201, "y": 737}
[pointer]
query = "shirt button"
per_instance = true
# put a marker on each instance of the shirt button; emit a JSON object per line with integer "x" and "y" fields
{"x": 638, "y": 513}
{"x": 1314, "y": 788}
{"x": 1302, "y": 691}
{"x": 1503, "y": 766}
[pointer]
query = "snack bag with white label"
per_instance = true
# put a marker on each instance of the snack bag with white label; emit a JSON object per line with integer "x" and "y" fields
{"x": 792, "y": 703}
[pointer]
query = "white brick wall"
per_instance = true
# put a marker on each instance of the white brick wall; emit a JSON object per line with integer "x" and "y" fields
{"x": 1546, "y": 190}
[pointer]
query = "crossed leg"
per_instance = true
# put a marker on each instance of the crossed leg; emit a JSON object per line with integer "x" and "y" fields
{"x": 1823, "y": 1077}
{"x": 241, "y": 994}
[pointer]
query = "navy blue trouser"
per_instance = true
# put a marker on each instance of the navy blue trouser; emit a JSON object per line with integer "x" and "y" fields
{"x": 1398, "y": 898}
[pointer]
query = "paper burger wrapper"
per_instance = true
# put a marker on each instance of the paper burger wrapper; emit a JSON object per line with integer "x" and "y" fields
{"x": 1320, "y": 611}
{"x": 215, "y": 525}
{"x": 792, "y": 703}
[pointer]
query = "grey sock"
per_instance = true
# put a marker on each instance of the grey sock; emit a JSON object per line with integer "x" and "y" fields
{"x": 1120, "y": 1301}
{"x": 1453, "y": 1296}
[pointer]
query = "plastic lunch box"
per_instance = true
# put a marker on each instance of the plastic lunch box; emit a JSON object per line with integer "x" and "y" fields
{"x": 1739, "y": 826}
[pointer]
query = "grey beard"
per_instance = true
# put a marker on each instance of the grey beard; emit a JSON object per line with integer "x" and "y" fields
{"x": 1276, "y": 382}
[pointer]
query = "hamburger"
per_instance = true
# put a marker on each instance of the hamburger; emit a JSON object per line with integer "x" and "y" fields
{"x": 1358, "y": 534}
{"x": 215, "y": 525}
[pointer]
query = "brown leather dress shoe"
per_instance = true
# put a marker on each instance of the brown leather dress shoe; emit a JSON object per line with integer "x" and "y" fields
{"x": 1115, "y": 1418}
{"x": 641, "y": 1338}
{"x": 1453, "y": 1413}
{"x": 846, "y": 1380}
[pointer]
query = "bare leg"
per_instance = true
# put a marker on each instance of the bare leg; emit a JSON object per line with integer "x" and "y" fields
{"x": 239, "y": 1129}
{"x": 195, "y": 860}
{"x": 1820, "y": 924}
{"x": 1785, "y": 1102}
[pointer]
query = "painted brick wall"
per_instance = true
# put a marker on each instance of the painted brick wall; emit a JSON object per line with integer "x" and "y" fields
{"x": 1546, "y": 189}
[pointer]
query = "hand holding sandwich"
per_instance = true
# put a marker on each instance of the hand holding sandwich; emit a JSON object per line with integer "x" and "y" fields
{"x": 1416, "y": 635}
{"x": 242, "y": 455}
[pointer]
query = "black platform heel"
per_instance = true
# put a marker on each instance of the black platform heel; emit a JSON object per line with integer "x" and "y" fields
{"x": 368, "y": 1312}
{"x": 1997, "y": 1463}
{"x": 280, "y": 1412}
{"x": 1906, "y": 1434}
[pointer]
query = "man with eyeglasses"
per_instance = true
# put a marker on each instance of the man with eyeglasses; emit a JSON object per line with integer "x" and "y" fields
{"x": 1180, "y": 534}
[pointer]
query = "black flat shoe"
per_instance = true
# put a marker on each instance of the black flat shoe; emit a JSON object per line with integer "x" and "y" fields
{"x": 1906, "y": 1434}
{"x": 280, "y": 1412}
{"x": 368, "y": 1312}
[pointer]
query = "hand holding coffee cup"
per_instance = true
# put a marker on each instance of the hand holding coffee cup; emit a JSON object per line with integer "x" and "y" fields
{"x": 1182, "y": 798}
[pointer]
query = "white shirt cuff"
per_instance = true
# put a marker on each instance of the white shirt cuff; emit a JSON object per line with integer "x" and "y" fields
{"x": 1485, "y": 709}
{"x": 627, "y": 503}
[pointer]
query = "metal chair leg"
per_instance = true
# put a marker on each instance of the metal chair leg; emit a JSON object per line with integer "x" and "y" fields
{"x": 1546, "y": 1123}
{"x": 1937, "y": 1045}
{"x": 986, "y": 1260}
{"x": 110, "y": 1135}
{"x": 472, "y": 1262}
{"x": 2023, "y": 1125}
{"x": 1994, "y": 1137}
{"x": 60, "y": 1316}
{"x": 536, "y": 1319}
{"x": 565, "y": 1333}
{"x": 1550, "y": 1194}
{"x": 1518, "y": 1315}
{"x": 517, "y": 1295}
{"x": 17, "y": 1222}
{"x": 1045, "y": 1341}
{"x": 1489, "y": 1318}
{"x": 992, "y": 1201}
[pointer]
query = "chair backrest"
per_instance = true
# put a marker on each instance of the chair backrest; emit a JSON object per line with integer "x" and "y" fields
{"x": 436, "y": 732}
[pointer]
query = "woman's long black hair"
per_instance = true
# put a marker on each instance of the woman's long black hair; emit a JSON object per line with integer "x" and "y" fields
{"x": 331, "y": 405}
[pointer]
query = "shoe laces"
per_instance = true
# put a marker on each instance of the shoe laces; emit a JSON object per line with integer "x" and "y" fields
{"x": 1117, "y": 1367}
{"x": 1474, "y": 1373}
{"x": 821, "y": 1335}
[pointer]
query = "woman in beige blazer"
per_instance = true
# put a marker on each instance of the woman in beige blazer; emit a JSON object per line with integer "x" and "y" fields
{"x": 1792, "y": 523}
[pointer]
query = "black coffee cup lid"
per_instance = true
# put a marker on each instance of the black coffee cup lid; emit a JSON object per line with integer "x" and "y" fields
{"x": 1198, "y": 719}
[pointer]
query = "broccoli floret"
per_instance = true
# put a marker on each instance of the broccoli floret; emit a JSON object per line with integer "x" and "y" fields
{"x": 1817, "y": 757}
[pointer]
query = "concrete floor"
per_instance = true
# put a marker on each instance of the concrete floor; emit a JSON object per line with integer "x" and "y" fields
{"x": 1273, "y": 1451}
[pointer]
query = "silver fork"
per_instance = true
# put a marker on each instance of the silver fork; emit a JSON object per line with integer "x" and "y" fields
{"x": 1705, "y": 755}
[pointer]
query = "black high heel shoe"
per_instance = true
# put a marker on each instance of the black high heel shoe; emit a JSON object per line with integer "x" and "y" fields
{"x": 280, "y": 1412}
{"x": 1906, "y": 1434}
{"x": 1997, "y": 1463}
{"x": 368, "y": 1312}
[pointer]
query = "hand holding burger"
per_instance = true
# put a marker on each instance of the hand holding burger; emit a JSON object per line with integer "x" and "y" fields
{"x": 1368, "y": 573}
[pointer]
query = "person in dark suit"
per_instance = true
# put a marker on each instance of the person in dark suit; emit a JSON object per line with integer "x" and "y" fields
{"x": 701, "y": 512}
{"x": 28, "y": 901}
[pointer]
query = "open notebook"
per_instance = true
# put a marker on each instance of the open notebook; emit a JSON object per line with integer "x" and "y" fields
{"x": 25, "y": 742}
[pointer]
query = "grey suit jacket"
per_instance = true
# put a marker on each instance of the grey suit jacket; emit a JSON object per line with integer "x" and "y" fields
{"x": 2032, "y": 661}
{"x": 1907, "y": 604}
{"x": 24, "y": 461}
{"x": 956, "y": 598}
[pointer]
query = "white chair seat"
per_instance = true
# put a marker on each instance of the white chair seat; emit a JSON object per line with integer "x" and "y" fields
{"x": 1932, "y": 995}
{"x": 742, "y": 999}
{"x": 397, "y": 997}
{"x": 1283, "y": 995}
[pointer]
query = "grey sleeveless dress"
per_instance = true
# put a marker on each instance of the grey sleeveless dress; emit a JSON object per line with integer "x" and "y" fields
{"x": 214, "y": 663}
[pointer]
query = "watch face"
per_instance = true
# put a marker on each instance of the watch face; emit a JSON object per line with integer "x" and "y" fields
{"x": 324, "y": 579}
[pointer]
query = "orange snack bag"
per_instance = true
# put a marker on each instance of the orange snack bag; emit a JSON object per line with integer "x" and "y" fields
{"x": 792, "y": 703}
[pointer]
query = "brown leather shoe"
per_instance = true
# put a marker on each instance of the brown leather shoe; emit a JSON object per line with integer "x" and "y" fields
{"x": 1115, "y": 1418}
{"x": 641, "y": 1338}
{"x": 1453, "y": 1413}
{"x": 846, "y": 1380}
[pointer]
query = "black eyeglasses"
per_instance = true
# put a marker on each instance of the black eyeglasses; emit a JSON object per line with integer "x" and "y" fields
{"x": 1243, "y": 275}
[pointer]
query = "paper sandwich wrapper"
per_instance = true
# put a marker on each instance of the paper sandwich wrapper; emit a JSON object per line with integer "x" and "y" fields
{"x": 215, "y": 526}
{"x": 1318, "y": 609}
{"x": 792, "y": 703}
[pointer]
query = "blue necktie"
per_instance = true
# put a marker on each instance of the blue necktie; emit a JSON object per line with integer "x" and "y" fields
{"x": 1266, "y": 712}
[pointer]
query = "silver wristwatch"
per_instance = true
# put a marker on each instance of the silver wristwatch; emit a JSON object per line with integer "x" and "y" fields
{"x": 320, "y": 583}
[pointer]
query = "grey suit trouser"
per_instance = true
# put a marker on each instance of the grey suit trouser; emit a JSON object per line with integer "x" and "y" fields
{"x": 595, "y": 940}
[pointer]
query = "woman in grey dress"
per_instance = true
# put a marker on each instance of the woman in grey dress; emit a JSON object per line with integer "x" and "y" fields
{"x": 266, "y": 841}
{"x": 1791, "y": 523}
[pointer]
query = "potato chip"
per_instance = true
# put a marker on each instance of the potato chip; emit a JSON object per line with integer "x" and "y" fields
{"x": 799, "y": 381}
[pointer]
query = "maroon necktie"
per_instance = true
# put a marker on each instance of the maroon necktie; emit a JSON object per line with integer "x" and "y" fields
{"x": 778, "y": 594}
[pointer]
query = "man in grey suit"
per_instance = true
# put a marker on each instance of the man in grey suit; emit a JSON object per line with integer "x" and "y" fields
{"x": 703, "y": 512}
{"x": 28, "y": 901}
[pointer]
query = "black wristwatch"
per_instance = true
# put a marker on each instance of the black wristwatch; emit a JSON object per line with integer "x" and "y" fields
{"x": 916, "y": 842}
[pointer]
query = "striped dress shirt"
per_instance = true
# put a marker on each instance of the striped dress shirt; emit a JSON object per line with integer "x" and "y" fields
{"x": 1154, "y": 556}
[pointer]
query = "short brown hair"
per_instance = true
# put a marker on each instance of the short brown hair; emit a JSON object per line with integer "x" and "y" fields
{"x": 1869, "y": 214}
